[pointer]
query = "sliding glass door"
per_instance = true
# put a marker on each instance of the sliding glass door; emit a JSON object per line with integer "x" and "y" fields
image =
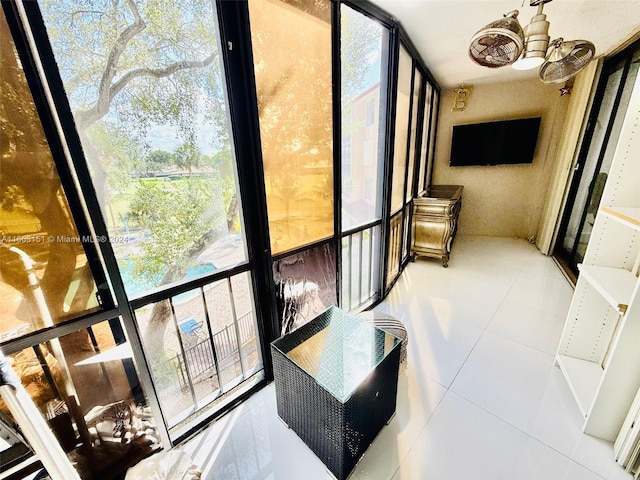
{"x": 612, "y": 99}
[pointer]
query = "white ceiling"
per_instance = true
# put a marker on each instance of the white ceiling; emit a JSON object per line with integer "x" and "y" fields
{"x": 441, "y": 30}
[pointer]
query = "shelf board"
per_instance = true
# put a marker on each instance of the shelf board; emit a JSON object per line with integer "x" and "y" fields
{"x": 614, "y": 284}
{"x": 626, "y": 215}
{"x": 583, "y": 378}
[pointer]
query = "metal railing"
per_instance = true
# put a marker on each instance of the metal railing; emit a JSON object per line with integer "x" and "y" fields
{"x": 199, "y": 360}
{"x": 359, "y": 266}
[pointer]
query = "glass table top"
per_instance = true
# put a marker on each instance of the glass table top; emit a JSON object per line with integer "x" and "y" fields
{"x": 338, "y": 350}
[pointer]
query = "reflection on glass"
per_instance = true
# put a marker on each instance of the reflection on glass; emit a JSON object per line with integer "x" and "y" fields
{"x": 596, "y": 187}
{"x": 246, "y": 452}
{"x": 403, "y": 102}
{"x": 206, "y": 348}
{"x": 425, "y": 140}
{"x": 305, "y": 285}
{"x": 86, "y": 386}
{"x": 417, "y": 84}
{"x": 576, "y": 221}
{"x": 432, "y": 137}
{"x": 247, "y": 326}
{"x": 338, "y": 350}
{"x": 195, "y": 344}
{"x": 395, "y": 243}
{"x": 233, "y": 321}
{"x": 292, "y": 59}
{"x": 407, "y": 233}
{"x": 44, "y": 275}
{"x": 146, "y": 91}
{"x": 361, "y": 58}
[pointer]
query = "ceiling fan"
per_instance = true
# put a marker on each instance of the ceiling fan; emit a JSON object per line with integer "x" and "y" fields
{"x": 505, "y": 42}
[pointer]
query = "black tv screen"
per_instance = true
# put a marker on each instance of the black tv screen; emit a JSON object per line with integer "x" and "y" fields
{"x": 505, "y": 142}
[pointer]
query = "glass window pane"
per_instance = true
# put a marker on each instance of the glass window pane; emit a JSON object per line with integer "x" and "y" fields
{"x": 605, "y": 112}
{"x": 417, "y": 84}
{"x": 247, "y": 322}
{"x": 403, "y": 100}
{"x": 395, "y": 242}
{"x": 86, "y": 386}
{"x": 145, "y": 86}
{"x": 432, "y": 137}
{"x": 292, "y": 60}
{"x": 407, "y": 232}
{"x": 362, "y": 101}
{"x": 305, "y": 285}
{"x": 591, "y": 196}
{"x": 205, "y": 349}
{"x": 44, "y": 274}
{"x": 359, "y": 267}
{"x": 425, "y": 140}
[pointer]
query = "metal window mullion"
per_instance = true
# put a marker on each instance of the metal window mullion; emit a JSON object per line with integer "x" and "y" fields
{"x": 211, "y": 342}
{"x": 360, "y": 269}
{"x": 350, "y": 257}
{"x": 370, "y": 261}
{"x": 243, "y": 366}
{"x": 42, "y": 336}
{"x": 182, "y": 351}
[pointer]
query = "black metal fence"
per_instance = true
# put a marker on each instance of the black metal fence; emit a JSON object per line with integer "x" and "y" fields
{"x": 200, "y": 358}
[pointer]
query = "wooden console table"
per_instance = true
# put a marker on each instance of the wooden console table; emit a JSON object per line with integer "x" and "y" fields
{"x": 435, "y": 221}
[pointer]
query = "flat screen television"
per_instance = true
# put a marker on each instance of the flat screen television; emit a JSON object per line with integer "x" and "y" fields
{"x": 505, "y": 142}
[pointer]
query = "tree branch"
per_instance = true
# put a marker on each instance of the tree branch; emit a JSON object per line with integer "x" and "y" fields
{"x": 158, "y": 72}
{"x": 101, "y": 106}
{"x": 109, "y": 89}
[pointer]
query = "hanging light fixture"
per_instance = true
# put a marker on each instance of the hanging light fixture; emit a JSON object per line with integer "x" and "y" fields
{"x": 504, "y": 42}
{"x": 536, "y": 40}
{"x": 498, "y": 44}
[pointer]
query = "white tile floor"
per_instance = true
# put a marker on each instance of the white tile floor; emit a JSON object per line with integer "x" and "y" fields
{"x": 480, "y": 399}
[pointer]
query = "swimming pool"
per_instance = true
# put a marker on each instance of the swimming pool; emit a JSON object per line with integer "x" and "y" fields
{"x": 135, "y": 283}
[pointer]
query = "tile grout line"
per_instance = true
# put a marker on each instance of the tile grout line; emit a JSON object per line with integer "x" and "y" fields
{"x": 529, "y": 435}
{"x": 410, "y": 449}
{"x": 448, "y": 388}
{"x": 486, "y": 326}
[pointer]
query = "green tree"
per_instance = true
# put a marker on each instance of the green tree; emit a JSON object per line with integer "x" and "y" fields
{"x": 159, "y": 160}
{"x": 138, "y": 65}
{"x": 223, "y": 168}
{"x": 179, "y": 219}
{"x": 188, "y": 156}
{"x": 143, "y": 64}
{"x": 360, "y": 41}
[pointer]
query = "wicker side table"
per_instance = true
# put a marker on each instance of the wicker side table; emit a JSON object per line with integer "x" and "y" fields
{"x": 336, "y": 380}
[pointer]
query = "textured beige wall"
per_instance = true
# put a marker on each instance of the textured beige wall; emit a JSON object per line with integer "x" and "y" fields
{"x": 503, "y": 200}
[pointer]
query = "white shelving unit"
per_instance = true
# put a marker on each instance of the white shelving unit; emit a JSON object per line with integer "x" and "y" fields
{"x": 599, "y": 351}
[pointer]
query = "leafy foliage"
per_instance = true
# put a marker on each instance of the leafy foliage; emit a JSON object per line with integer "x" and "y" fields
{"x": 135, "y": 67}
{"x": 361, "y": 40}
{"x": 179, "y": 218}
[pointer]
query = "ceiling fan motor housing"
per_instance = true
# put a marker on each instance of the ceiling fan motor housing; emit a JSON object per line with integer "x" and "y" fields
{"x": 536, "y": 37}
